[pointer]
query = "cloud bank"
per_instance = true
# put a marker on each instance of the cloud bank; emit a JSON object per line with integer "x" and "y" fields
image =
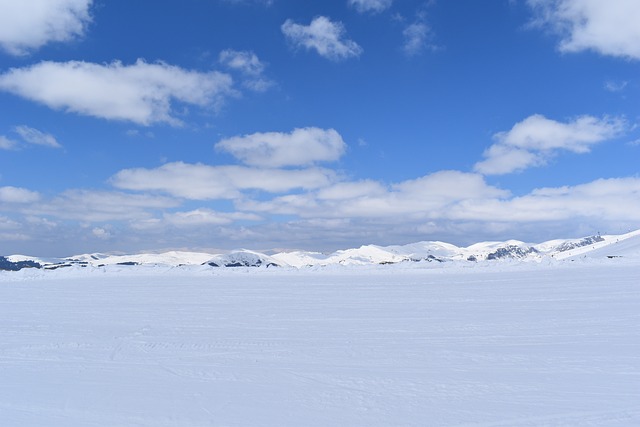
{"x": 279, "y": 196}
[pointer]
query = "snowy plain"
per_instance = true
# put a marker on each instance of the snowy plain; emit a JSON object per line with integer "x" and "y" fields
{"x": 553, "y": 343}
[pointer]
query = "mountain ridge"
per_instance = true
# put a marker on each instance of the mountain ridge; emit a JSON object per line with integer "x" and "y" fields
{"x": 605, "y": 246}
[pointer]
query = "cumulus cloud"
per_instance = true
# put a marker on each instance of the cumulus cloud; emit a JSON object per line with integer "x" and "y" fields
{"x": 142, "y": 93}
{"x": 249, "y": 65}
{"x": 275, "y": 149}
{"x": 326, "y": 37}
{"x": 374, "y": 6}
{"x": 533, "y": 141}
{"x": 608, "y": 27}
{"x": 18, "y": 195}
{"x": 26, "y": 25}
{"x": 36, "y": 137}
{"x": 204, "y": 182}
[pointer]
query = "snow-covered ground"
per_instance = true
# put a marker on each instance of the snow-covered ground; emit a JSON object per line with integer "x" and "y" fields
{"x": 412, "y": 344}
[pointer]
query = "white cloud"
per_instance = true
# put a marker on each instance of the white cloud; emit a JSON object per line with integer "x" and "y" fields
{"x": 430, "y": 196}
{"x": 249, "y": 65}
{"x": 416, "y": 36}
{"x": 100, "y": 206}
{"x": 275, "y": 149}
{"x": 453, "y": 204}
{"x": 373, "y": 6}
{"x": 142, "y": 93}
{"x": 18, "y": 195}
{"x": 324, "y": 36}
{"x": 26, "y": 25}
{"x": 101, "y": 233}
{"x": 36, "y": 137}
{"x": 203, "y": 217}
{"x": 14, "y": 237}
{"x": 613, "y": 86}
{"x": 203, "y": 182}
{"x": 6, "y": 143}
{"x": 244, "y": 61}
{"x": 533, "y": 141}
{"x": 352, "y": 190}
{"x": 605, "y": 200}
{"x": 8, "y": 224}
{"x": 608, "y": 27}
{"x": 446, "y": 204}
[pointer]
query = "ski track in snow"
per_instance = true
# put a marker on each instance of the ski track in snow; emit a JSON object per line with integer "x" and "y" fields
{"x": 543, "y": 345}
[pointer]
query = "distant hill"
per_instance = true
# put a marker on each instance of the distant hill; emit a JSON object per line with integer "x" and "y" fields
{"x": 597, "y": 246}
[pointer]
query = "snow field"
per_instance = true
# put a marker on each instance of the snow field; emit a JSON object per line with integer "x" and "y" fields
{"x": 555, "y": 345}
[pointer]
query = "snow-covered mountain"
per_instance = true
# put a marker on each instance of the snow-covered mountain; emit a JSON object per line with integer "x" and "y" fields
{"x": 597, "y": 246}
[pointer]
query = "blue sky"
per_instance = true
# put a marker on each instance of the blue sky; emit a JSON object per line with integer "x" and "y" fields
{"x": 281, "y": 124}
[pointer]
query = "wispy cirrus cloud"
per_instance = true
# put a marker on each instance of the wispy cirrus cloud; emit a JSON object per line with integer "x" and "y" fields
{"x": 143, "y": 93}
{"x": 607, "y": 27}
{"x": 326, "y": 37}
{"x": 416, "y": 36}
{"x": 258, "y": 2}
{"x": 26, "y": 135}
{"x": 249, "y": 66}
{"x": 6, "y": 143}
{"x": 371, "y": 6}
{"x": 27, "y": 25}
{"x": 37, "y": 137}
{"x": 615, "y": 86}
{"x": 536, "y": 139}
